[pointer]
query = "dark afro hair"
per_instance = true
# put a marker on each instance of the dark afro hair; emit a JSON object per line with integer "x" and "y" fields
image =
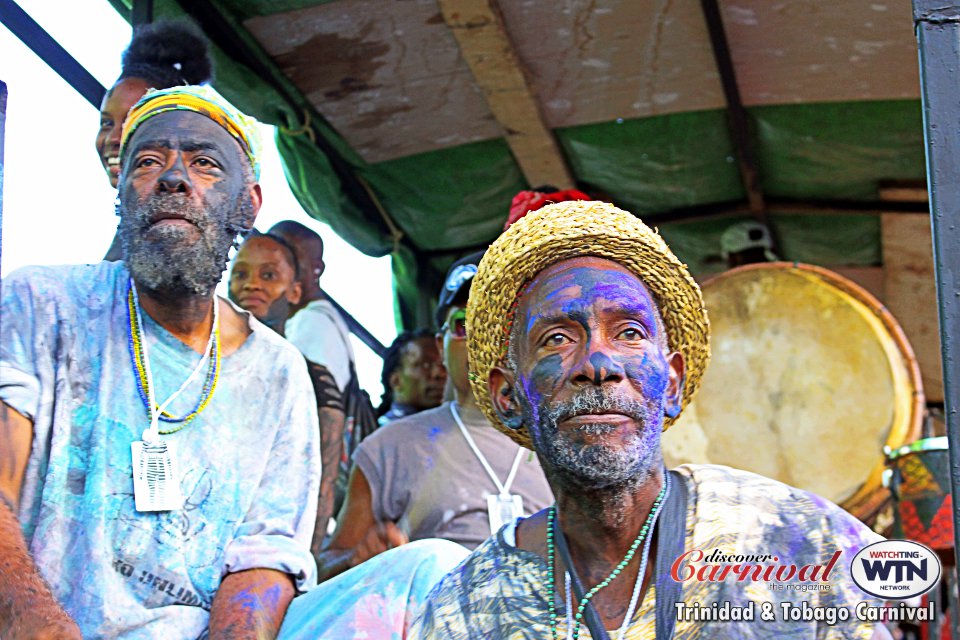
{"x": 168, "y": 53}
{"x": 391, "y": 362}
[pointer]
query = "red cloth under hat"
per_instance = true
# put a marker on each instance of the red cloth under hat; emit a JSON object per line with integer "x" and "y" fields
{"x": 527, "y": 201}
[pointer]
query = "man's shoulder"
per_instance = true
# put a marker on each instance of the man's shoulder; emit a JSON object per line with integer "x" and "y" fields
{"x": 487, "y": 567}
{"x": 737, "y": 485}
{"x": 67, "y": 280}
{"x": 70, "y": 292}
{"x": 724, "y": 494}
{"x": 427, "y": 425}
{"x": 320, "y": 332}
{"x": 317, "y": 310}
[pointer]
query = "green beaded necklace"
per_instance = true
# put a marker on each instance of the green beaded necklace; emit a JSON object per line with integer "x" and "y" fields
{"x": 551, "y": 564}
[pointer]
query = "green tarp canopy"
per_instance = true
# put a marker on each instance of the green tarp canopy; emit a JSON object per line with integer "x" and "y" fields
{"x": 392, "y": 126}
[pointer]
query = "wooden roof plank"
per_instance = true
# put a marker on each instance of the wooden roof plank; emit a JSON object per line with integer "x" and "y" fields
{"x": 479, "y": 30}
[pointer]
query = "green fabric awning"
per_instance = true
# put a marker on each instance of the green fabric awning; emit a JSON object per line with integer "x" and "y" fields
{"x": 391, "y": 181}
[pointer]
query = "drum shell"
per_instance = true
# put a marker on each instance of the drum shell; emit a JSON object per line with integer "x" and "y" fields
{"x": 734, "y": 301}
{"x": 920, "y": 486}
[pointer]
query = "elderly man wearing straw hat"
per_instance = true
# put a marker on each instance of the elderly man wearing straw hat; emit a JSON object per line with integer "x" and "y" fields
{"x": 587, "y": 337}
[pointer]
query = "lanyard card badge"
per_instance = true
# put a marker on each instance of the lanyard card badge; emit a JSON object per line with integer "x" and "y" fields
{"x": 156, "y": 476}
{"x": 503, "y": 506}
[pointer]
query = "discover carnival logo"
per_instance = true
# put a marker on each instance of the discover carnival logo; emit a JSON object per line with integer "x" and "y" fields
{"x": 717, "y": 566}
{"x": 895, "y": 569}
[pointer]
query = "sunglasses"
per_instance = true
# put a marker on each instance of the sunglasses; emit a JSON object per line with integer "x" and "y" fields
{"x": 457, "y": 325}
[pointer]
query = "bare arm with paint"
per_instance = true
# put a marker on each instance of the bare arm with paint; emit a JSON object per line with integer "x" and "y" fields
{"x": 359, "y": 536}
{"x": 330, "y": 411}
{"x": 250, "y": 604}
{"x": 27, "y": 607}
{"x": 331, "y": 449}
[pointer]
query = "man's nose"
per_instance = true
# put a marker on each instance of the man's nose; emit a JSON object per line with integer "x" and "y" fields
{"x": 174, "y": 179}
{"x": 598, "y": 367}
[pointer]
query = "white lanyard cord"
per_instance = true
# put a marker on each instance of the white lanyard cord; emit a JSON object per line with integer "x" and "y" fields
{"x": 504, "y": 489}
{"x": 155, "y": 410}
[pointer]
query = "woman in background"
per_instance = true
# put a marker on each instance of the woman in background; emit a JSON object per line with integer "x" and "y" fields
{"x": 264, "y": 280}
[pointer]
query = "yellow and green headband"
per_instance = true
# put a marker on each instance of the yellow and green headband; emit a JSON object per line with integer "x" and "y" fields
{"x": 205, "y": 101}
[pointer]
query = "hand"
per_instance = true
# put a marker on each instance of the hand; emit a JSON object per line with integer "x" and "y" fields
{"x": 381, "y": 537}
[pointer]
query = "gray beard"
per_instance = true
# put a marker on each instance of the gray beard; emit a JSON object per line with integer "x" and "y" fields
{"x": 596, "y": 466}
{"x": 167, "y": 260}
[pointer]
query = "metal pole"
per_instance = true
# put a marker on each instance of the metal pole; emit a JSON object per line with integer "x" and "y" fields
{"x": 743, "y": 147}
{"x": 937, "y": 24}
{"x": 3, "y": 119}
{"x": 358, "y": 329}
{"x": 50, "y": 51}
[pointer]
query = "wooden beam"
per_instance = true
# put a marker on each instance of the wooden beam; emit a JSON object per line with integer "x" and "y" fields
{"x": 909, "y": 284}
{"x": 479, "y": 30}
{"x": 142, "y": 12}
{"x": 791, "y": 206}
{"x": 236, "y": 42}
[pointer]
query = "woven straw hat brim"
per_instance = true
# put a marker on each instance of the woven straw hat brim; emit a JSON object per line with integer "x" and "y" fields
{"x": 568, "y": 230}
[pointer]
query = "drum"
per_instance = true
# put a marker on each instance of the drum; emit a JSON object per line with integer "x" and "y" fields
{"x": 919, "y": 479}
{"x": 810, "y": 378}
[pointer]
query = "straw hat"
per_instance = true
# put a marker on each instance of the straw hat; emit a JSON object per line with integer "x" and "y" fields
{"x": 569, "y": 230}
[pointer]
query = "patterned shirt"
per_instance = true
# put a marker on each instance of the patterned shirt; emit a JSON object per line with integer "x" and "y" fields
{"x": 249, "y": 463}
{"x": 499, "y": 591}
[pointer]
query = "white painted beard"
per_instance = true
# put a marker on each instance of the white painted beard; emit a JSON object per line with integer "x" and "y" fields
{"x": 598, "y": 465}
{"x": 168, "y": 259}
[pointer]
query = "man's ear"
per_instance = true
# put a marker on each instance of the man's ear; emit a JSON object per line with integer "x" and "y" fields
{"x": 294, "y": 293}
{"x": 256, "y": 199}
{"x": 318, "y": 268}
{"x": 256, "y": 196}
{"x": 394, "y": 379}
{"x": 673, "y": 398}
{"x": 502, "y": 389}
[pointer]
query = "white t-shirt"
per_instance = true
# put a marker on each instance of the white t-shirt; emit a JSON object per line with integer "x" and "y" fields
{"x": 249, "y": 463}
{"x": 322, "y": 336}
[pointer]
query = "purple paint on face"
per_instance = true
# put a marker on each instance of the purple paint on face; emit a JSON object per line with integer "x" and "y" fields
{"x": 593, "y": 345}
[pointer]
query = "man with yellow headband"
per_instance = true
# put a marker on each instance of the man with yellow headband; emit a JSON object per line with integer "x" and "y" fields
{"x": 587, "y": 337}
{"x": 159, "y": 462}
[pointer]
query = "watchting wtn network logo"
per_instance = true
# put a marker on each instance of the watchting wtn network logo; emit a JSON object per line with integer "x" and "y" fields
{"x": 895, "y": 569}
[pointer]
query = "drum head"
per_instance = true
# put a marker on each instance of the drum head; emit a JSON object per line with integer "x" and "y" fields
{"x": 810, "y": 377}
